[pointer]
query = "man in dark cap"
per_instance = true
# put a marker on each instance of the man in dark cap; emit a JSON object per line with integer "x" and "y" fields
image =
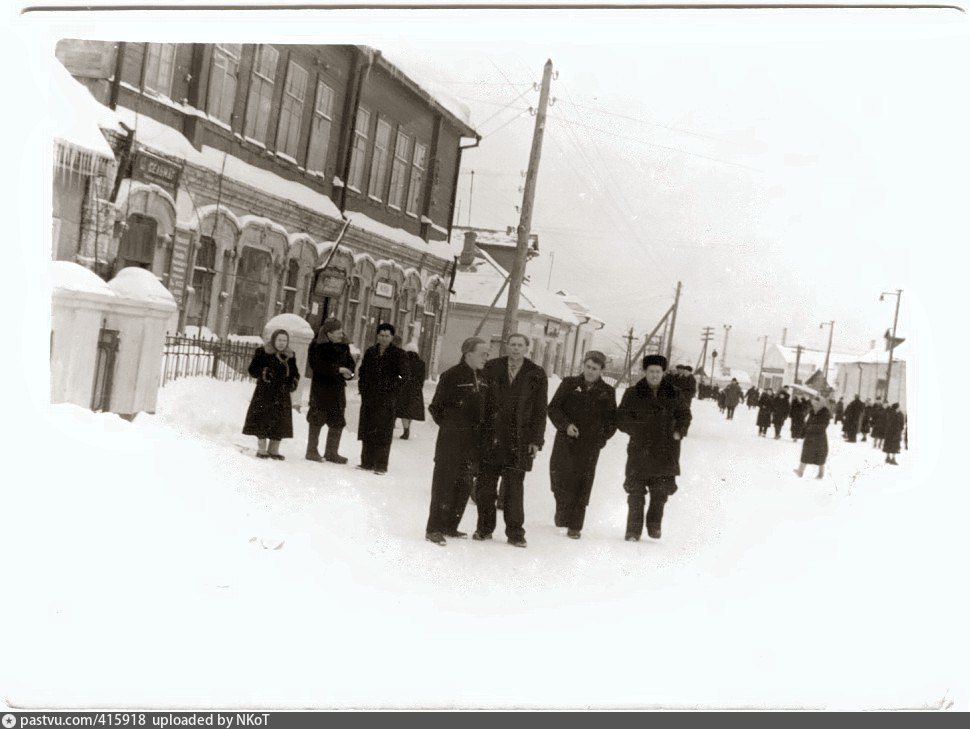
{"x": 381, "y": 376}
{"x": 654, "y": 415}
{"x": 330, "y": 365}
{"x": 684, "y": 381}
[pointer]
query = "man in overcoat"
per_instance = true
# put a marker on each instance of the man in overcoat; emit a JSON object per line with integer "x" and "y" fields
{"x": 380, "y": 378}
{"x": 683, "y": 379}
{"x": 853, "y": 419}
{"x": 780, "y": 409}
{"x": 765, "y": 406}
{"x": 584, "y": 413}
{"x": 654, "y": 416}
{"x": 732, "y": 396}
{"x": 521, "y": 392}
{"x": 330, "y": 365}
{"x": 462, "y": 409}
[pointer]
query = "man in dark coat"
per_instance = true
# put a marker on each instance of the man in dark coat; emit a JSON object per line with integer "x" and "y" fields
{"x": 732, "y": 396}
{"x": 877, "y": 418}
{"x": 584, "y": 413}
{"x": 382, "y": 373}
{"x": 839, "y": 410}
{"x": 462, "y": 408}
{"x": 683, "y": 379}
{"x": 894, "y": 423}
{"x": 800, "y": 408}
{"x": 521, "y": 392}
{"x": 411, "y": 403}
{"x": 751, "y": 397}
{"x": 852, "y": 419}
{"x": 780, "y": 408}
{"x": 765, "y": 404}
{"x": 656, "y": 419}
{"x": 330, "y": 365}
{"x": 865, "y": 422}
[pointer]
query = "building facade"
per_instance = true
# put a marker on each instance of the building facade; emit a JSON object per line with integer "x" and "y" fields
{"x": 263, "y": 179}
{"x": 787, "y": 366}
{"x": 866, "y": 377}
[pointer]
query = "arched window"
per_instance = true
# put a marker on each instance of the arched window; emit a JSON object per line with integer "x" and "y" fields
{"x": 289, "y": 287}
{"x": 353, "y": 307}
{"x": 251, "y": 297}
{"x": 203, "y": 275}
{"x": 137, "y": 247}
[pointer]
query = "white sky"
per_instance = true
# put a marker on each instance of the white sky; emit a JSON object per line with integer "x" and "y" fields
{"x": 784, "y": 165}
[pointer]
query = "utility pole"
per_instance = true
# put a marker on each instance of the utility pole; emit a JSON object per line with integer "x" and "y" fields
{"x": 727, "y": 330}
{"x": 525, "y": 221}
{"x": 713, "y": 364}
{"x": 629, "y": 350}
{"x": 828, "y": 351}
{"x": 798, "y": 360}
{"x": 892, "y": 342}
{"x": 552, "y": 262}
{"x": 673, "y": 323}
{"x": 471, "y": 191}
{"x": 706, "y": 336}
{"x": 761, "y": 367}
{"x": 784, "y": 337}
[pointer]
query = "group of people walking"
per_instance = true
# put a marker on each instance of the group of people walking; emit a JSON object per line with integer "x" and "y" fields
{"x": 886, "y": 424}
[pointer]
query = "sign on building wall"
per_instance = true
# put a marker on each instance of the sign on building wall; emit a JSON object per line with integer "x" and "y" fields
{"x": 552, "y": 329}
{"x": 384, "y": 289}
{"x": 180, "y": 264}
{"x": 146, "y": 167}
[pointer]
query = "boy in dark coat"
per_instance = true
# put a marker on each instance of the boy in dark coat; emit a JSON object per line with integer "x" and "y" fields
{"x": 584, "y": 413}
{"x": 780, "y": 408}
{"x": 815, "y": 449}
{"x": 462, "y": 408}
{"x": 270, "y": 415}
{"x": 330, "y": 365}
{"x": 411, "y": 404}
{"x": 654, "y": 416}
{"x": 765, "y": 404}
{"x": 521, "y": 392}
{"x": 382, "y": 373}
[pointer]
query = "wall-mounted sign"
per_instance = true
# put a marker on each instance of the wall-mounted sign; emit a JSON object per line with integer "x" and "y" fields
{"x": 146, "y": 167}
{"x": 384, "y": 289}
{"x": 331, "y": 285}
{"x": 552, "y": 329}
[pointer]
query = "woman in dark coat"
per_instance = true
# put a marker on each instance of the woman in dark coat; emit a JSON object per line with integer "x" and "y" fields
{"x": 877, "y": 418}
{"x": 895, "y": 421}
{"x": 815, "y": 449}
{"x": 765, "y": 403}
{"x": 331, "y": 366}
{"x": 270, "y": 416}
{"x": 780, "y": 408}
{"x": 411, "y": 404}
{"x": 380, "y": 378}
{"x": 655, "y": 418}
{"x": 800, "y": 408}
{"x": 584, "y": 413}
{"x": 751, "y": 397}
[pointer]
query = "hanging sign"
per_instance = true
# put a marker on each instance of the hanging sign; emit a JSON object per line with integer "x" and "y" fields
{"x": 146, "y": 167}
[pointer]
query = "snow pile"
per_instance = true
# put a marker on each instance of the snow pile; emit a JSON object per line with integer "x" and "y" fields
{"x": 200, "y": 333}
{"x": 765, "y": 590}
{"x": 141, "y": 284}
{"x": 68, "y": 276}
{"x": 295, "y": 326}
{"x": 245, "y": 339}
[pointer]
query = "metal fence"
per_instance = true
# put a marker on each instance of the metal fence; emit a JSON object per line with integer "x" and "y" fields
{"x": 194, "y": 357}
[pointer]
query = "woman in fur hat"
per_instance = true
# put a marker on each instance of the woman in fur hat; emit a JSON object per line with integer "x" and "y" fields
{"x": 270, "y": 416}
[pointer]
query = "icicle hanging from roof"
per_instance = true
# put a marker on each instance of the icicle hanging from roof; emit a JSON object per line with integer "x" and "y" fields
{"x": 73, "y": 159}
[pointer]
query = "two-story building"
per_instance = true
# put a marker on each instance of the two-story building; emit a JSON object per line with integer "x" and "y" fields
{"x": 242, "y": 165}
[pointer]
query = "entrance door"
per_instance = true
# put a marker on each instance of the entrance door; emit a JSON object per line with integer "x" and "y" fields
{"x": 250, "y": 299}
{"x": 137, "y": 247}
{"x": 377, "y": 315}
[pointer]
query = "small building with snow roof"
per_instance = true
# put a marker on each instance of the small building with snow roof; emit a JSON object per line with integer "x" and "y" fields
{"x": 786, "y": 366}
{"x": 865, "y": 376}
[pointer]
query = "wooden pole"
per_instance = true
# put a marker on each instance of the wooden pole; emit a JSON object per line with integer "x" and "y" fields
{"x": 673, "y": 322}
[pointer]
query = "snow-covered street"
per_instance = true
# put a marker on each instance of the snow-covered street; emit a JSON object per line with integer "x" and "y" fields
{"x": 166, "y": 566}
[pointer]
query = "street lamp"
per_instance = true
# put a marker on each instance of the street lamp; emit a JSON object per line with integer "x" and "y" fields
{"x": 892, "y": 342}
{"x": 713, "y": 362}
{"x": 727, "y": 330}
{"x": 828, "y": 352}
{"x": 761, "y": 367}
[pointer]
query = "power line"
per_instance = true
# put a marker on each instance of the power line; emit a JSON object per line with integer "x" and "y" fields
{"x": 605, "y": 112}
{"x": 481, "y": 124}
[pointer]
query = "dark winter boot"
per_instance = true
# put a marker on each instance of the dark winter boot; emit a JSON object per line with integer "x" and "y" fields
{"x": 313, "y": 443}
{"x": 333, "y": 443}
{"x": 634, "y": 516}
{"x": 406, "y": 434}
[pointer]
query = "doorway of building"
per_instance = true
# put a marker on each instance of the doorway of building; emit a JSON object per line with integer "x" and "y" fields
{"x": 250, "y": 298}
{"x": 137, "y": 247}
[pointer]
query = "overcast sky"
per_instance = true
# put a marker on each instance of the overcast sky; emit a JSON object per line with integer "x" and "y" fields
{"x": 784, "y": 166}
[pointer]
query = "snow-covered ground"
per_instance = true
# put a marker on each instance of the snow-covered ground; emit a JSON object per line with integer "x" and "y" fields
{"x": 160, "y": 564}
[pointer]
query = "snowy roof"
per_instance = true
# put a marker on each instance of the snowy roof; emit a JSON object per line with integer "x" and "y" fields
{"x": 78, "y": 116}
{"x": 403, "y": 66}
{"x": 478, "y": 284}
{"x": 880, "y": 355}
{"x": 813, "y": 357}
{"x": 70, "y": 276}
{"x": 398, "y": 235}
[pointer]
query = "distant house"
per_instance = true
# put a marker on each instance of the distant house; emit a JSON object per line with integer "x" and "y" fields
{"x": 865, "y": 376}
{"x": 559, "y": 326}
{"x": 780, "y": 364}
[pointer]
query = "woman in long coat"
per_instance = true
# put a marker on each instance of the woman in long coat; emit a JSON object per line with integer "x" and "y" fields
{"x": 800, "y": 408}
{"x": 878, "y": 424}
{"x": 270, "y": 414}
{"x": 765, "y": 403}
{"x": 411, "y": 402}
{"x": 780, "y": 408}
{"x": 584, "y": 413}
{"x": 895, "y": 421}
{"x": 815, "y": 448}
{"x": 331, "y": 366}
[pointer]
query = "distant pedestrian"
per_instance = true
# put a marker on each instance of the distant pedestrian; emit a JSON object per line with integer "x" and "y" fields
{"x": 521, "y": 392}
{"x": 751, "y": 397}
{"x": 270, "y": 413}
{"x": 379, "y": 381}
{"x": 852, "y": 419}
{"x": 411, "y": 403}
{"x": 815, "y": 449}
{"x": 780, "y": 409}
{"x": 462, "y": 408}
{"x": 895, "y": 422}
{"x": 839, "y": 410}
{"x": 877, "y": 418}
{"x": 800, "y": 408}
{"x": 584, "y": 413}
{"x": 766, "y": 404}
{"x": 654, "y": 416}
{"x": 684, "y": 381}
{"x": 721, "y": 400}
{"x": 330, "y": 366}
{"x": 732, "y": 396}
